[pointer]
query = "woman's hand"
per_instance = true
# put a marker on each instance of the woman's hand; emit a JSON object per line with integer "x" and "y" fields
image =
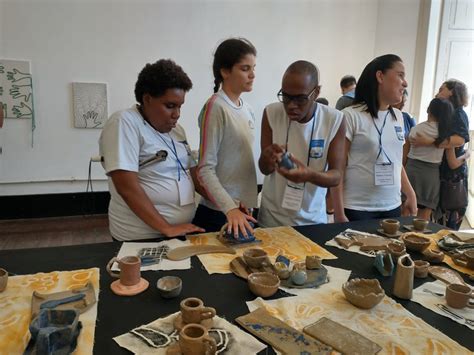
{"x": 237, "y": 220}
{"x": 177, "y": 230}
{"x": 409, "y": 207}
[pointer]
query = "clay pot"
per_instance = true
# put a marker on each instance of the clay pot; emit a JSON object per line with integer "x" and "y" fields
{"x": 433, "y": 256}
{"x": 403, "y": 285}
{"x": 255, "y": 257}
{"x": 129, "y": 270}
{"x": 421, "y": 269}
{"x": 263, "y": 284}
{"x": 415, "y": 242}
{"x": 193, "y": 311}
{"x": 396, "y": 250}
{"x": 390, "y": 226}
{"x": 169, "y": 286}
{"x": 363, "y": 293}
{"x": 420, "y": 224}
{"x": 465, "y": 259}
{"x": 459, "y": 296}
{"x": 3, "y": 279}
{"x": 195, "y": 340}
{"x": 313, "y": 262}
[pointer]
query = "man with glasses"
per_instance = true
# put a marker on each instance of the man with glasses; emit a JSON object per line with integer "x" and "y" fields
{"x": 314, "y": 136}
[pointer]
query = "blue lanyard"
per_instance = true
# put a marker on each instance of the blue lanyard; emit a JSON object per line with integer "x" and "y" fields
{"x": 175, "y": 153}
{"x": 310, "y": 138}
{"x": 380, "y": 131}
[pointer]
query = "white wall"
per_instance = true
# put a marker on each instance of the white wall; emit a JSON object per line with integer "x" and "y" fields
{"x": 110, "y": 41}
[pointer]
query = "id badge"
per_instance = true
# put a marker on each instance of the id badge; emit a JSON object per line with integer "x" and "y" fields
{"x": 293, "y": 196}
{"x": 384, "y": 174}
{"x": 185, "y": 191}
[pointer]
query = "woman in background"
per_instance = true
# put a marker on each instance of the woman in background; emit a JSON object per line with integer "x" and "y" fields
{"x": 226, "y": 167}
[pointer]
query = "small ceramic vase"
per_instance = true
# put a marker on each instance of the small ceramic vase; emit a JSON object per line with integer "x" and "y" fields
{"x": 403, "y": 285}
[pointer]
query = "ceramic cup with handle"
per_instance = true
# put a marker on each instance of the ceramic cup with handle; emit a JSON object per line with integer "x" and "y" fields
{"x": 3, "y": 279}
{"x": 390, "y": 226}
{"x": 129, "y": 270}
{"x": 466, "y": 259}
{"x": 195, "y": 340}
{"x": 459, "y": 296}
{"x": 420, "y": 224}
{"x": 194, "y": 311}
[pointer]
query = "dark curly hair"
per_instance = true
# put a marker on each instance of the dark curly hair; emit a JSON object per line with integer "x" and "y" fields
{"x": 154, "y": 79}
{"x": 229, "y": 53}
{"x": 459, "y": 90}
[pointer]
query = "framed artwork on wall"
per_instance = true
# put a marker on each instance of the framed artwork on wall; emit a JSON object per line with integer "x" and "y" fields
{"x": 90, "y": 104}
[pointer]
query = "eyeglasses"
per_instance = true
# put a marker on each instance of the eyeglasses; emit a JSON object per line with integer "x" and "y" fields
{"x": 299, "y": 100}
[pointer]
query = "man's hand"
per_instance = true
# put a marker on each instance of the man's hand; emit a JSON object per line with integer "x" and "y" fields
{"x": 409, "y": 207}
{"x": 177, "y": 230}
{"x": 297, "y": 175}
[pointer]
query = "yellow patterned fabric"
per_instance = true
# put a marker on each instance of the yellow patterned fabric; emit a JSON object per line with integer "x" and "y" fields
{"x": 388, "y": 324}
{"x": 275, "y": 241}
{"x": 15, "y": 307}
{"x": 447, "y": 259}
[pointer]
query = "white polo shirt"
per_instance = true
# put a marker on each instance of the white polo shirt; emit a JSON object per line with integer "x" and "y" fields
{"x": 127, "y": 140}
{"x": 360, "y": 191}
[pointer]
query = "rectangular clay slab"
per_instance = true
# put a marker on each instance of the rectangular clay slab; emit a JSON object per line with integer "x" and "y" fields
{"x": 280, "y": 335}
{"x": 341, "y": 338}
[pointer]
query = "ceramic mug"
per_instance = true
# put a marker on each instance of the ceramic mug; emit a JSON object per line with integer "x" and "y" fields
{"x": 129, "y": 270}
{"x": 193, "y": 310}
{"x": 390, "y": 226}
{"x": 3, "y": 279}
{"x": 466, "y": 259}
{"x": 459, "y": 296}
{"x": 195, "y": 340}
{"x": 420, "y": 224}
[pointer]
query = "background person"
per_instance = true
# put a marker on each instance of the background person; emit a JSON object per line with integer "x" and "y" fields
{"x": 149, "y": 198}
{"x": 348, "y": 86}
{"x": 226, "y": 166}
{"x": 314, "y": 135}
{"x": 374, "y": 174}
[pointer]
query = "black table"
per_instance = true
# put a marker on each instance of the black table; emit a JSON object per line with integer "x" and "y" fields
{"x": 226, "y": 293}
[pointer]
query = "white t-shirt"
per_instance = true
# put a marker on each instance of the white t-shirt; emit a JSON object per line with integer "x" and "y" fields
{"x": 127, "y": 140}
{"x": 313, "y": 208}
{"x": 429, "y": 154}
{"x": 360, "y": 191}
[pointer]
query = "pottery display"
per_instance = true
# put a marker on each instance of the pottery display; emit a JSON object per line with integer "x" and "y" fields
{"x": 286, "y": 162}
{"x": 313, "y": 262}
{"x": 433, "y": 256}
{"x": 263, "y": 284}
{"x": 459, "y": 296}
{"x": 129, "y": 282}
{"x": 314, "y": 278}
{"x": 415, "y": 242}
{"x": 420, "y": 224}
{"x": 465, "y": 259}
{"x": 390, "y": 226}
{"x": 363, "y": 293}
{"x": 169, "y": 286}
{"x": 240, "y": 268}
{"x": 282, "y": 270}
{"x": 3, "y": 279}
{"x": 421, "y": 269}
{"x": 182, "y": 253}
{"x": 194, "y": 311}
{"x": 396, "y": 249}
{"x": 404, "y": 273}
{"x": 365, "y": 242}
{"x": 255, "y": 257}
{"x": 384, "y": 263}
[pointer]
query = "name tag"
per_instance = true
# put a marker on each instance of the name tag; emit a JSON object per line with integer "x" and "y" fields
{"x": 185, "y": 190}
{"x": 384, "y": 174}
{"x": 293, "y": 196}
{"x": 399, "y": 133}
{"x": 316, "y": 148}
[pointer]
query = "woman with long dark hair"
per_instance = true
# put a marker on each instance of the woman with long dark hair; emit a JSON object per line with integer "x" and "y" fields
{"x": 374, "y": 174}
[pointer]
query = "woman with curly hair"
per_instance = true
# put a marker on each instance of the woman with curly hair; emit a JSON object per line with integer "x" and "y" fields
{"x": 148, "y": 160}
{"x": 226, "y": 166}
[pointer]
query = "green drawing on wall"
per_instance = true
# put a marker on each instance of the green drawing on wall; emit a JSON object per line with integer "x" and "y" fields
{"x": 16, "y": 89}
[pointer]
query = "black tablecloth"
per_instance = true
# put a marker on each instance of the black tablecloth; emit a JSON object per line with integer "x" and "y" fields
{"x": 226, "y": 293}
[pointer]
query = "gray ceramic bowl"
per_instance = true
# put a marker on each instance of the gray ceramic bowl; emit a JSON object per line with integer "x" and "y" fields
{"x": 263, "y": 284}
{"x": 169, "y": 286}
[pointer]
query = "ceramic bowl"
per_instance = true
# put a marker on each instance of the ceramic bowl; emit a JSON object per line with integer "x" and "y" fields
{"x": 421, "y": 268}
{"x": 169, "y": 286}
{"x": 255, "y": 257}
{"x": 415, "y": 242}
{"x": 263, "y": 284}
{"x": 433, "y": 256}
{"x": 396, "y": 250}
{"x": 363, "y": 293}
{"x": 420, "y": 224}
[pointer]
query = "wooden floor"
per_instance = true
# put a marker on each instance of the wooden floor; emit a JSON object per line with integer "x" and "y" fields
{"x": 49, "y": 232}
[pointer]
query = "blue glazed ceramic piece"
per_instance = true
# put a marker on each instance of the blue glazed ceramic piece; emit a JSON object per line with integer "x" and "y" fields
{"x": 286, "y": 162}
{"x": 283, "y": 259}
{"x": 299, "y": 277}
{"x": 384, "y": 263}
{"x": 229, "y": 237}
